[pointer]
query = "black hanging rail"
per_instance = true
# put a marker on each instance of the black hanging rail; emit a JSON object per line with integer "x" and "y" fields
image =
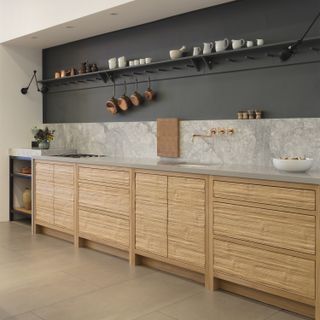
{"x": 242, "y": 59}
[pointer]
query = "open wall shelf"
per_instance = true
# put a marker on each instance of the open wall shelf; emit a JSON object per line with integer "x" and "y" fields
{"x": 244, "y": 59}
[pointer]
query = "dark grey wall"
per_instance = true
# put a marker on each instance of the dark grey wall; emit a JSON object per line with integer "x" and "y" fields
{"x": 292, "y": 91}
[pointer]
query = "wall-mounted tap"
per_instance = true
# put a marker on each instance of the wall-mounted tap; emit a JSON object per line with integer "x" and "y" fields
{"x": 214, "y": 131}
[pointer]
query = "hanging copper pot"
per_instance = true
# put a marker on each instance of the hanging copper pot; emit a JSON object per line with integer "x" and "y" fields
{"x": 112, "y": 103}
{"x": 149, "y": 94}
{"x": 124, "y": 101}
{"x": 136, "y": 98}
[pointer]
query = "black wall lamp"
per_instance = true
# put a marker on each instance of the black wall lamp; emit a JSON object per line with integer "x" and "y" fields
{"x": 287, "y": 53}
{"x": 34, "y": 76}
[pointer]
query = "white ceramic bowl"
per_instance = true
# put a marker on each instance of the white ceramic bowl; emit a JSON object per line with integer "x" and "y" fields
{"x": 175, "y": 54}
{"x": 293, "y": 165}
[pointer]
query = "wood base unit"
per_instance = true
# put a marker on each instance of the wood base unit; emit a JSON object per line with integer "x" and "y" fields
{"x": 256, "y": 238}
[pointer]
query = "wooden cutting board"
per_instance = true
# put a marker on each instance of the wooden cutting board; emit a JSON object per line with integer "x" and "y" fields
{"x": 168, "y": 138}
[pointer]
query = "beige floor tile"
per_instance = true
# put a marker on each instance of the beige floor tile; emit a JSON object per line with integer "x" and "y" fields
{"x": 41, "y": 291}
{"x": 283, "y": 315}
{"x": 127, "y": 300}
{"x": 25, "y": 316}
{"x": 218, "y": 306}
{"x": 155, "y": 316}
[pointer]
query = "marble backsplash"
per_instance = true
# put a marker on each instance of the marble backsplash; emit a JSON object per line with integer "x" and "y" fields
{"x": 254, "y": 142}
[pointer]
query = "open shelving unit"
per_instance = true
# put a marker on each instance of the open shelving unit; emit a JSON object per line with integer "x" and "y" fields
{"x": 243, "y": 59}
{"x": 18, "y": 182}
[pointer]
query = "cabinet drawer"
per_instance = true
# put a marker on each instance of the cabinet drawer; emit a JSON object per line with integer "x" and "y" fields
{"x": 271, "y": 195}
{"x": 44, "y": 171}
{"x": 106, "y": 176}
{"x": 116, "y": 200}
{"x": 275, "y": 228}
{"x": 64, "y": 174}
{"x": 103, "y": 228}
{"x": 278, "y": 271}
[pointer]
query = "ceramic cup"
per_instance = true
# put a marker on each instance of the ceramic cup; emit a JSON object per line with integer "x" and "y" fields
{"x": 237, "y": 44}
{"x": 136, "y": 62}
{"x": 221, "y": 45}
{"x": 197, "y": 50}
{"x": 131, "y": 63}
{"x": 112, "y": 63}
{"x": 142, "y": 61}
{"x": 250, "y": 44}
{"x": 122, "y": 62}
{"x": 207, "y": 47}
{"x": 260, "y": 42}
{"x": 148, "y": 60}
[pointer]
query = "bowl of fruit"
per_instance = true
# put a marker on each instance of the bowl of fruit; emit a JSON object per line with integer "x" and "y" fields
{"x": 293, "y": 164}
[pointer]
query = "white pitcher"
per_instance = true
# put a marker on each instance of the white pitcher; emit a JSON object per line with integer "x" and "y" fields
{"x": 207, "y": 47}
{"x": 222, "y": 45}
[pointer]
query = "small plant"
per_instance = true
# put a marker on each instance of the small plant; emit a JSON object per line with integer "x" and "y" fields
{"x": 43, "y": 135}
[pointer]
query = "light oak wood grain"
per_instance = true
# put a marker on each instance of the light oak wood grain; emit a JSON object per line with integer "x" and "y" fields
{"x": 113, "y": 177}
{"x": 292, "y": 274}
{"x": 104, "y": 227}
{"x": 275, "y": 228}
{"x": 186, "y": 220}
{"x": 44, "y": 171}
{"x": 277, "y": 196}
{"x": 105, "y": 198}
{"x": 151, "y": 213}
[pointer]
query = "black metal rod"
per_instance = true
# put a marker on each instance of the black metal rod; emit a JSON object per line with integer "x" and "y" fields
{"x": 194, "y": 76}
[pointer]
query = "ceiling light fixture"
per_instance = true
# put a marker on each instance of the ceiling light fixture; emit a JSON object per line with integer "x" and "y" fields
{"x": 287, "y": 53}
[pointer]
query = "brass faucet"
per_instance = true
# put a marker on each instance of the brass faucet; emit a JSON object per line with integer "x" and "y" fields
{"x": 214, "y": 131}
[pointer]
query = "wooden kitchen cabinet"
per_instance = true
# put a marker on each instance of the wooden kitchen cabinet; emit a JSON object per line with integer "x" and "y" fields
{"x": 151, "y": 213}
{"x": 186, "y": 220}
{"x": 104, "y": 205}
{"x": 170, "y": 218}
{"x": 55, "y": 195}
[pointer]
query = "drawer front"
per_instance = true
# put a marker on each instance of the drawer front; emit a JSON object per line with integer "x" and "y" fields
{"x": 270, "y": 195}
{"x": 109, "y": 177}
{"x": 186, "y": 220}
{"x": 278, "y": 271}
{"x": 151, "y": 213}
{"x": 44, "y": 171}
{"x": 64, "y": 174}
{"x": 63, "y": 213}
{"x": 116, "y": 200}
{"x": 275, "y": 228}
{"x": 103, "y": 227}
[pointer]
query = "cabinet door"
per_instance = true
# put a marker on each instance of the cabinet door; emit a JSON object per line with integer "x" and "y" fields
{"x": 186, "y": 220}
{"x": 44, "y": 190}
{"x": 151, "y": 213}
{"x": 63, "y": 201}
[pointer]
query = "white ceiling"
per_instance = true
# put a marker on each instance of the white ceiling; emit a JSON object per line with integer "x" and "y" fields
{"x": 130, "y": 14}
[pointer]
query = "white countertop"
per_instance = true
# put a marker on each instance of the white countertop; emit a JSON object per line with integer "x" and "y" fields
{"x": 29, "y": 153}
{"x": 240, "y": 171}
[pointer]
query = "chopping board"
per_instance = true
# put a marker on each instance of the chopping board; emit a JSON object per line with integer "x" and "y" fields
{"x": 168, "y": 137}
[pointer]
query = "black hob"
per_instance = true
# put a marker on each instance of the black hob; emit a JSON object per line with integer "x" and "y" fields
{"x": 80, "y": 155}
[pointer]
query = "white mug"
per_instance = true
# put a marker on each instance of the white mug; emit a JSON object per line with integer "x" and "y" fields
{"x": 112, "y": 63}
{"x": 237, "y": 44}
{"x": 222, "y": 45}
{"x": 131, "y": 63}
{"x": 260, "y": 42}
{"x": 142, "y": 61}
{"x": 207, "y": 47}
{"x": 197, "y": 50}
{"x": 148, "y": 60}
{"x": 122, "y": 62}
{"x": 250, "y": 44}
{"x": 136, "y": 62}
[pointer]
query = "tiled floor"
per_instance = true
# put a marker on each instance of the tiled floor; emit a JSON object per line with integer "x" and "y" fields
{"x": 45, "y": 278}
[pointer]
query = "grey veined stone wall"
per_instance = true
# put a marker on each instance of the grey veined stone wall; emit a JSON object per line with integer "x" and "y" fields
{"x": 254, "y": 142}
